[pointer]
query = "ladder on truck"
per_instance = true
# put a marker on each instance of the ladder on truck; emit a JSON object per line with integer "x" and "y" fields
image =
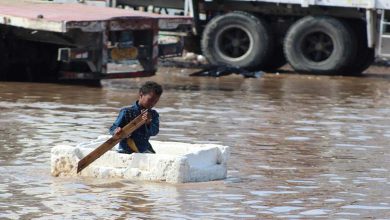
{"x": 384, "y": 35}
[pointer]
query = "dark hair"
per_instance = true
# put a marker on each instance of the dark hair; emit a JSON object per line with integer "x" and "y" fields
{"x": 151, "y": 86}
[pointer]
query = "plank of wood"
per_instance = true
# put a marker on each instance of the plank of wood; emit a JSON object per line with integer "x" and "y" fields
{"x": 110, "y": 143}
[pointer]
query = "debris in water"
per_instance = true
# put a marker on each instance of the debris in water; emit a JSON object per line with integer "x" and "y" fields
{"x": 227, "y": 70}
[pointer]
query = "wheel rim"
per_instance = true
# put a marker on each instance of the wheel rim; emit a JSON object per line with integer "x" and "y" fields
{"x": 233, "y": 42}
{"x": 317, "y": 46}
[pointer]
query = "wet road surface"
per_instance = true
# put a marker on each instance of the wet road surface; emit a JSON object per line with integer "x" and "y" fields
{"x": 302, "y": 147}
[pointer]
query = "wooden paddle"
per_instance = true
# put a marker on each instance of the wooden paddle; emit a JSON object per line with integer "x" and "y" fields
{"x": 110, "y": 143}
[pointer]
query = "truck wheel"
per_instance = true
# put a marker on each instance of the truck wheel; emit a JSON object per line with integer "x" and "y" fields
{"x": 319, "y": 45}
{"x": 365, "y": 55}
{"x": 237, "y": 39}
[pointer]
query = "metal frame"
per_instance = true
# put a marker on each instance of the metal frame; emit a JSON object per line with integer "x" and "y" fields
{"x": 383, "y": 35}
{"x": 367, "y": 4}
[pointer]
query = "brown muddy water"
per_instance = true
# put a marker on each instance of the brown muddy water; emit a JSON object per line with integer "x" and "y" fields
{"x": 303, "y": 147}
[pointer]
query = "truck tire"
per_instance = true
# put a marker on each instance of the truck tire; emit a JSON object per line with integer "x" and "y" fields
{"x": 320, "y": 45}
{"x": 238, "y": 39}
{"x": 365, "y": 55}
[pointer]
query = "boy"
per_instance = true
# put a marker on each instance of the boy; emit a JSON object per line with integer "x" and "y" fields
{"x": 138, "y": 141}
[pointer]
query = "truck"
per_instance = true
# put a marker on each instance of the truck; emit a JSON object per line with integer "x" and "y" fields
{"x": 313, "y": 36}
{"x": 46, "y": 40}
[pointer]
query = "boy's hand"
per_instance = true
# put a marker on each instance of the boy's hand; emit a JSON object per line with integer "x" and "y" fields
{"x": 118, "y": 131}
{"x": 147, "y": 117}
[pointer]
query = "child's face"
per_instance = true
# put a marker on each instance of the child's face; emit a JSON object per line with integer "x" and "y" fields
{"x": 148, "y": 100}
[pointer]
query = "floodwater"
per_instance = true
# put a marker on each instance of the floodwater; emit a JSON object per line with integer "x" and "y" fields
{"x": 303, "y": 147}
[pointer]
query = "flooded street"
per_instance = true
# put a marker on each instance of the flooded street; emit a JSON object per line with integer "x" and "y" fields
{"x": 302, "y": 147}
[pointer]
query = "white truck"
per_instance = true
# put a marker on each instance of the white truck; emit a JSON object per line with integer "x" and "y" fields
{"x": 42, "y": 40}
{"x": 315, "y": 36}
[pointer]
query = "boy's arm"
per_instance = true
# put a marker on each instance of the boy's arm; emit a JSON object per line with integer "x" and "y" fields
{"x": 119, "y": 122}
{"x": 153, "y": 127}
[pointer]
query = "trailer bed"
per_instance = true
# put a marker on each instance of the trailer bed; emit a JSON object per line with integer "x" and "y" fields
{"x": 56, "y": 17}
{"x": 82, "y": 42}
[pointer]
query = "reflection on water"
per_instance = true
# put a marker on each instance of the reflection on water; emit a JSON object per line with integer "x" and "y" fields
{"x": 302, "y": 147}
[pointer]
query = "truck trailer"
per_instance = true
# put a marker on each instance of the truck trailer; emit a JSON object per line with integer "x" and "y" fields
{"x": 42, "y": 40}
{"x": 313, "y": 36}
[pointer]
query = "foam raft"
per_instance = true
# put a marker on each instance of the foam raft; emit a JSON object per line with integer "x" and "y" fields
{"x": 174, "y": 162}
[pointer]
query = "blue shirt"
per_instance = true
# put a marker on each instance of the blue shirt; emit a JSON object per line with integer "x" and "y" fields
{"x": 142, "y": 134}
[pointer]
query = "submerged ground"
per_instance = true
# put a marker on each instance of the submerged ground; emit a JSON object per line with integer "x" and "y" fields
{"x": 302, "y": 147}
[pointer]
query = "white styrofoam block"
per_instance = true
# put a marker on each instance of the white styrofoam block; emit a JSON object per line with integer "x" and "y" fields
{"x": 174, "y": 162}
{"x": 204, "y": 157}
